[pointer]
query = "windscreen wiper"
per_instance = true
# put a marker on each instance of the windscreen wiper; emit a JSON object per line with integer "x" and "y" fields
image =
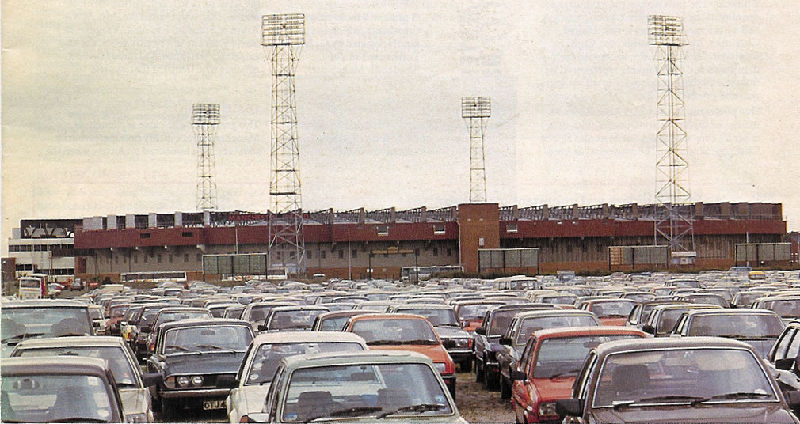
{"x": 421, "y": 407}
{"x": 355, "y": 411}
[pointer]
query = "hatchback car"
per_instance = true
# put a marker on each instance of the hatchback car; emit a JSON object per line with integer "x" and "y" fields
{"x": 193, "y": 357}
{"x": 549, "y": 363}
{"x": 405, "y": 332}
{"x": 28, "y": 319}
{"x": 759, "y": 328}
{"x": 676, "y": 380}
{"x": 264, "y": 355}
{"x": 129, "y": 380}
{"x": 59, "y": 389}
{"x": 358, "y": 387}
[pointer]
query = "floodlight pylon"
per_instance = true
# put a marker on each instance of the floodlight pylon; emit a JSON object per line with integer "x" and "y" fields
{"x": 476, "y": 111}
{"x": 205, "y": 118}
{"x": 283, "y": 36}
{"x": 675, "y": 224}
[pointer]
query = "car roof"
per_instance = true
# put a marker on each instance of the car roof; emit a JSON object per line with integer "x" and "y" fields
{"x": 724, "y": 311}
{"x": 669, "y": 342}
{"x": 387, "y": 315}
{"x": 44, "y": 303}
{"x": 299, "y": 308}
{"x": 354, "y": 357}
{"x": 194, "y": 322}
{"x": 345, "y": 313}
{"x": 79, "y": 365}
{"x": 554, "y": 312}
{"x": 423, "y": 306}
{"x": 308, "y": 337}
{"x": 586, "y": 331}
{"x": 69, "y": 341}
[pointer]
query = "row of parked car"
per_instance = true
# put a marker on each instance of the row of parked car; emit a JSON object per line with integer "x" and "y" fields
{"x": 297, "y": 353}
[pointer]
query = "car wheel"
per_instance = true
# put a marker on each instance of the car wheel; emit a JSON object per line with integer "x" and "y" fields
{"x": 167, "y": 408}
{"x": 505, "y": 388}
{"x": 478, "y": 372}
{"x": 466, "y": 365}
{"x": 490, "y": 380}
{"x": 519, "y": 415}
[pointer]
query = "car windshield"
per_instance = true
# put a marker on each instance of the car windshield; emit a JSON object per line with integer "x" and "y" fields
{"x": 786, "y": 308}
{"x": 121, "y": 368}
{"x": 668, "y": 319}
{"x": 77, "y": 398}
{"x": 529, "y": 325}
{"x": 300, "y": 319}
{"x": 558, "y": 300}
{"x": 564, "y": 356}
{"x": 333, "y": 323}
{"x": 437, "y": 317}
{"x": 175, "y": 316}
{"x": 681, "y": 375}
{"x": 207, "y": 338}
{"x": 500, "y": 322}
{"x": 395, "y": 331}
{"x": 470, "y": 312}
{"x": 268, "y": 357}
{"x": 21, "y": 323}
{"x": 735, "y": 325}
{"x": 612, "y": 309}
{"x": 364, "y": 390}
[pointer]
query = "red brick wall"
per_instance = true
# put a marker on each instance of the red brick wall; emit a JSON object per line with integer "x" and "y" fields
{"x": 477, "y": 221}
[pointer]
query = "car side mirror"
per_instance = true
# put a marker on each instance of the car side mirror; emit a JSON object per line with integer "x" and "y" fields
{"x": 569, "y": 407}
{"x": 481, "y": 331}
{"x": 505, "y": 341}
{"x": 227, "y": 380}
{"x": 262, "y": 327}
{"x": 151, "y": 379}
{"x": 785, "y": 364}
{"x": 647, "y": 328}
{"x": 792, "y": 398}
{"x": 517, "y": 375}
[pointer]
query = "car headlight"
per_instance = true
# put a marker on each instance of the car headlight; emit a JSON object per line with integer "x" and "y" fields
{"x": 439, "y": 367}
{"x": 136, "y": 418}
{"x": 183, "y": 381}
{"x": 169, "y": 382}
{"x": 197, "y": 380}
{"x": 547, "y": 409}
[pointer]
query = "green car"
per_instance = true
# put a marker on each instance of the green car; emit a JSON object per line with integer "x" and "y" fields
{"x": 364, "y": 386}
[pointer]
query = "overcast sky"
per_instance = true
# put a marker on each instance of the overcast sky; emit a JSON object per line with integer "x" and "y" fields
{"x": 97, "y": 97}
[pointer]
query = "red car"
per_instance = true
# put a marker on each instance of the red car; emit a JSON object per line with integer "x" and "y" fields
{"x": 549, "y": 364}
{"x": 610, "y": 311}
{"x": 394, "y": 331}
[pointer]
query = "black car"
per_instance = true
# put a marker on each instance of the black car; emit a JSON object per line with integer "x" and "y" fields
{"x": 487, "y": 340}
{"x": 198, "y": 360}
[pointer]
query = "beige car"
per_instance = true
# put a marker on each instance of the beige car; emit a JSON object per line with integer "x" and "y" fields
{"x": 131, "y": 383}
{"x": 264, "y": 356}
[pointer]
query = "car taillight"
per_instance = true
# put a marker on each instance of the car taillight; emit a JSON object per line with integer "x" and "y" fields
{"x": 244, "y": 419}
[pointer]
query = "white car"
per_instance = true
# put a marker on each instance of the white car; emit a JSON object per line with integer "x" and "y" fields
{"x": 264, "y": 356}
{"x": 131, "y": 383}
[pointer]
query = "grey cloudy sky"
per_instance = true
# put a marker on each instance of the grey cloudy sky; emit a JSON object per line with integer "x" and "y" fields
{"x": 97, "y": 96}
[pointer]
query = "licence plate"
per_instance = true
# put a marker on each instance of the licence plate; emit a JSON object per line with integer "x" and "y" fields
{"x": 213, "y": 404}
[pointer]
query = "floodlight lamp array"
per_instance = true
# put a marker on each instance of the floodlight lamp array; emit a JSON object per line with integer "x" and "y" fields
{"x": 476, "y": 107}
{"x": 205, "y": 114}
{"x": 665, "y": 30}
{"x": 284, "y": 29}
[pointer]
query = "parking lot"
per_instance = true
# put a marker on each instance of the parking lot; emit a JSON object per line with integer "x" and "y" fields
{"x": 367, "y": 350}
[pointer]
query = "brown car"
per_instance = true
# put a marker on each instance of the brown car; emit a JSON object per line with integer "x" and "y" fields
{"x": 676, "y": 380}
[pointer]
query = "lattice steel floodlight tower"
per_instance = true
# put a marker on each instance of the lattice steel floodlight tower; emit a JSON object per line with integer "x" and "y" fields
{"x": 476, "y": 111}
{"x": 672, "y": 167}
{"x": 205, "y": 118}
{"x": 283, "y": 36}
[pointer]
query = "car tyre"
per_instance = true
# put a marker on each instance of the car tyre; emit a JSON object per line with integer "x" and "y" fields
{"x": 490, "y": 380}
{"x": 167, "y": 408}
{"x": 465, "y": 365}
{"x": 505, "y": 389}
{"x": 478, "y": 372}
